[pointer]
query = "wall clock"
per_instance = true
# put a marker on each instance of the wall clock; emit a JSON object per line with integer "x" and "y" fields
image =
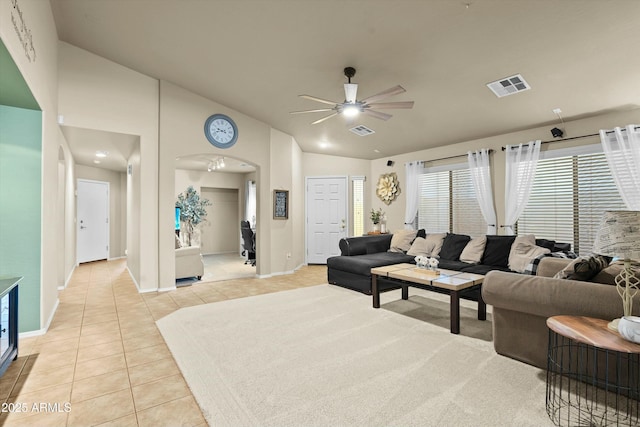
{"x": 221, "y": 131}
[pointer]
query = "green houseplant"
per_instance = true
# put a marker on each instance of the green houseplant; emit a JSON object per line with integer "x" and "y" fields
{"x": 192, "y": 210}
{"x": 376, "y": 217}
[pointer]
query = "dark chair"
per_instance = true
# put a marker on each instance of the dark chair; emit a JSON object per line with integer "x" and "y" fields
{"x": 248, "y": 242}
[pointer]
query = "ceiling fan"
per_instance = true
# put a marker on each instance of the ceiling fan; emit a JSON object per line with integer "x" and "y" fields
{"x": 351, "y": 106}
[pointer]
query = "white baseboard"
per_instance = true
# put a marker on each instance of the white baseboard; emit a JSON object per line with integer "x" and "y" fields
{"x": 117, "y": 257}
{"x": 44, "y": 330}
{"x": 66, "y": 282}
{"x": 279, "y": 273}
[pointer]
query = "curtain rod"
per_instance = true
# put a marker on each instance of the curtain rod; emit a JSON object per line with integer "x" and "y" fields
{"x": 578, "y": 137}
{"x": 453, "y": 157}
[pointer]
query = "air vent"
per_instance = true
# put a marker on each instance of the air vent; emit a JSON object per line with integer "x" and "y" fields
{"x": 362, "y": 130}
{"x": 509, "y": 86}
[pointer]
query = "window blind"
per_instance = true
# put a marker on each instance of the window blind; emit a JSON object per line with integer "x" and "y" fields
{"x": 568, "y": 198}
{"x": 358, "y": 206}
{"x": 448, "y": 203}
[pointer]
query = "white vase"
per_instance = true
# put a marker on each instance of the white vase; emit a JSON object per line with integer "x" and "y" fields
{"x": 383, "y": 227}
{"x": 376, "y": 227}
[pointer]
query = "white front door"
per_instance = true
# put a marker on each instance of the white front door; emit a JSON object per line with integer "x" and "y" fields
{"x": 93, "y": 221}
{"x": 327, "y": 216}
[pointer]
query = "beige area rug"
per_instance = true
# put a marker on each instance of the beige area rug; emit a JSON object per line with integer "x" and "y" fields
{"x": 322, "y": 356}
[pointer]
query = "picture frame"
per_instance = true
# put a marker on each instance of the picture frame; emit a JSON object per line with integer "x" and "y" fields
{"x": 280, "y": 204}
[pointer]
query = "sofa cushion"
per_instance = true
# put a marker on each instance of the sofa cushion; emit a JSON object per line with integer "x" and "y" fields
{"x": 362, "y": 264}
{"x": 376, "y": 245}
{"x": 453, "y": 265}
{"x": 583, "y": 268}
{"x": 401, "y": 240}
{"x": 545, "y": 243}
{"x": 483, "y": 269}
{"x": 608, "y": 275}
{"x": 421, "y": 246}
{"x": 472, "y": 253}
{"x": 453, "y": 245}
{"x": 496, "y": 251}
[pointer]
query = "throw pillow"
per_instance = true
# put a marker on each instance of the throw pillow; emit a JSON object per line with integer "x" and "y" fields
{"x": 583, "y": 268}
{"x": 437, "y": 239}
{"x": 496, "y": 251}
{"x": 522, "y": 254}
{"x": 178, "y": 242}
{"x": 545, "y": 243}
{"x": 420, "y": 246}
{"x": 401, "y": 240}
{"x": 453, "y": 245}
{"x": 523, "y": 238}
{"x": 472, "y": 253}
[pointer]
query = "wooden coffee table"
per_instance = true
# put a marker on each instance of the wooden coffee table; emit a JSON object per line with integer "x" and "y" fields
{"x": 408, "y": 275}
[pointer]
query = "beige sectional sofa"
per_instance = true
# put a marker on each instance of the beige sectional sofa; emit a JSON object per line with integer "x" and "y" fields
{"x": 522, "y": 304}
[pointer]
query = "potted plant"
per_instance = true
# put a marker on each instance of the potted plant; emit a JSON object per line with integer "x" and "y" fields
{"x": 376, "y": 217}
{"x": 192, "y": 210}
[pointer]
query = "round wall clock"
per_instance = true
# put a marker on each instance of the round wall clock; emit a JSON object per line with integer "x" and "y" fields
{"x": 221, "y": 131}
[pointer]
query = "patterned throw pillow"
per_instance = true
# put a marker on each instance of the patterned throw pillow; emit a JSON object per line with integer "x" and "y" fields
{"x": 584, "y": 268}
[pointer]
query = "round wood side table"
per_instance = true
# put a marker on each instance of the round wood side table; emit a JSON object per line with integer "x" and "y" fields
{"x": 593, "y": 374}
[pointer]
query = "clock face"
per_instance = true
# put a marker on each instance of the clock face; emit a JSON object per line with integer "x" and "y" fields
{"x": 221, "y": 131}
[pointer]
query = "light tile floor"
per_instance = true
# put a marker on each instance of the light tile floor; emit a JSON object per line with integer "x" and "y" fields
{"x": 104, "y": 358}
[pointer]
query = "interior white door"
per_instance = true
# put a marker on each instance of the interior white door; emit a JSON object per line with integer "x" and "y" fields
{"x": 93, "y": 221}
{"x": 327, "y": 216}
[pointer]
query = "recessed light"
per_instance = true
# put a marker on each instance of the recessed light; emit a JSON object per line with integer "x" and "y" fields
{"x": 101, "y": 153}
{"x": 376, "y": 151}
{"x": 324, "y": 145}
{"x": 97, "y": 162}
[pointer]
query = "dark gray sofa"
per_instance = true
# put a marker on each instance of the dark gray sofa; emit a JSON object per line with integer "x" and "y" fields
{"x": 352, "y": 269}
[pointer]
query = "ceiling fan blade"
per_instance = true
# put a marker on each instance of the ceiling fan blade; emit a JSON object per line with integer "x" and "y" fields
{"x": 350, "y": 92}
{"x": 384, "y": 94}
{"x": 324, "y": 118}
{"x": 388, "y": 105}
{"x": 377, "y": 114}
{"x": 312, "y": 111}
{"x": 314, "y": 98}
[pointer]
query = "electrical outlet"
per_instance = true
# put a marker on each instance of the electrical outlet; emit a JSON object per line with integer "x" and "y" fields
{"x": 288, "y": 255}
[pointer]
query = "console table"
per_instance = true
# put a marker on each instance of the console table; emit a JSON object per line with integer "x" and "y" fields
{"x": 8, "y": 321}
{"x": 593, "y": 374}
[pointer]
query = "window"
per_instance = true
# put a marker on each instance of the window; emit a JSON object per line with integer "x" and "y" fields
{"x": 448, "y": 202}
{"x": 357, "y": 183}
{"x": 568, "y": 197}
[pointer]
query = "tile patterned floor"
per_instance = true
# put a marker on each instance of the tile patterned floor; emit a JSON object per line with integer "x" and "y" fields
{"x": 104, "y": 358}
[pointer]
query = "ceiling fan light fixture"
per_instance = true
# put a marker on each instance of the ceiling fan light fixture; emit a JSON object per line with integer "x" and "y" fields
{"x": 350, "y": 92}
{"x": 351, "y": 110}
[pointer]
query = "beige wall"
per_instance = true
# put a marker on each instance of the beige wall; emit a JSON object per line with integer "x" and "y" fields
{"x": 41, "y": 74}
{"x": 117, "y": 204}
{"x": 182, "y": 115}
{"x": 395, "y": 212}
{"x": 134, "y": 190}
{"x": 95, "y": 93}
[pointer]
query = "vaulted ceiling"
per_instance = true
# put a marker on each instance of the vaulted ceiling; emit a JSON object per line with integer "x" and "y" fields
{"x": 257, "y": 56}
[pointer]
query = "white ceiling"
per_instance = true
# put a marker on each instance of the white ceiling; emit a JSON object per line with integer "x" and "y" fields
{"x": 257, "y": 56}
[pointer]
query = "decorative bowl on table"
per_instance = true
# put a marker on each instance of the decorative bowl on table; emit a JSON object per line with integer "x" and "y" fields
{"x": 629, "y": 328}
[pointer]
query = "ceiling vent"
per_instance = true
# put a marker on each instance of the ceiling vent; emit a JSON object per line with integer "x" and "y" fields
{"x": 362, "y": 130}
{"x": 508, "y": 86}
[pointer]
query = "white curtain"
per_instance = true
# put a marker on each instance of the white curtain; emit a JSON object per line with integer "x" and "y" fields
{"x": 622, "y": 149}
{"x": 250, "y": 203}
{"x": 412, "y": 169}
{"x": 481, "y": 178}
{"x": 521, "y": 170}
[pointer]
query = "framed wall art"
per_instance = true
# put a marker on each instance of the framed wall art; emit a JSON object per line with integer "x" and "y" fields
{"x": 280, "y": 204}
